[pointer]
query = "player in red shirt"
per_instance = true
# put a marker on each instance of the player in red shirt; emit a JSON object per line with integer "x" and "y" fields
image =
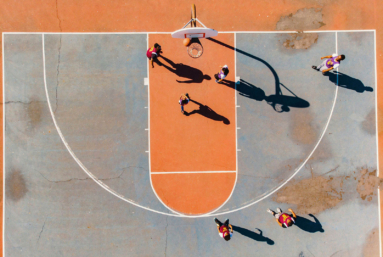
{"x": 225, "y": 230}
{"x": 153, "y": 53}
{"x": 284, "y": 220}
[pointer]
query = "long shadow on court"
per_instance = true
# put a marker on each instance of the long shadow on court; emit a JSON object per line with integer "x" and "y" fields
{"x": 252, "y": 235}
{"x": 309, "y": 226}
{"x": 278, "y": 101}
{"x": 193, "y": 75}
{"x": 348, "y": 82}
{"x": 206, "y": 111}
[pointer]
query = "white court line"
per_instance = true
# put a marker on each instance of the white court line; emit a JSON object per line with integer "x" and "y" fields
{"x": 158, "y": 32}
{"x": 377, "y": 146}
{"x": 376, "y": 106}
{"x": 3, "y": 232}
{"x": 191, "y": 172}
{"x": 380, "y": 225}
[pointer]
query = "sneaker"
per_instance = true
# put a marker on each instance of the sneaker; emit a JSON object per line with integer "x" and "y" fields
{"x": 279, "y": 210}
{"x": 314, "y": 67}
{"x": 270, "y": 211}
{"x": 216, "y": 81}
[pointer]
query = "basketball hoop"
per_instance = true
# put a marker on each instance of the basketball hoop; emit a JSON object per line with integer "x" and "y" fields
{"x": 195, "y": 50}
{"x": 193, "y": 31}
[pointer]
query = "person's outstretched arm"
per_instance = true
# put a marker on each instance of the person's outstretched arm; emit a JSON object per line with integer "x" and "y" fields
{"x": 231, "y": 228}
{"x": 328, "y": 56}
{"x": 280, "y": 224}
{"x": 218, "y": 229}
{"x": 291, "y": 210}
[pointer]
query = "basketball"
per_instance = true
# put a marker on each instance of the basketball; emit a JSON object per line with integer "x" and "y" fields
{"x": 187, "y": 41}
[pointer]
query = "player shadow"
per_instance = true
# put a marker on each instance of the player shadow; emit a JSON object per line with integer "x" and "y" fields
{"x": 253, "y": 235}
{"x": 251, "y": 56}
{"x": 307, "y": 225}
{"x": 206, "y": 111}
{"x": 193, "y": 75}
{"x": 348, "y": 82}
{"x": 279, "y": 102}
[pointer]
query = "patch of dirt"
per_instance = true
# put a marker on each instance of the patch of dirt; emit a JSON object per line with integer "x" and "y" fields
{"x": 301, "y": 130}
{"x": 368, "y": 124}
{"x": 15, "y": 186}
{"x": 368, "y": 184}
{"x": 319, "y": 193}
{"x": 371, "y": 246}
{"x": 322, "y": 153}
{"x": 34, "y": 110}
{"x": 300, "y": 40}
{"x": 312, "y": 195}
{"x": 303, "y": 19}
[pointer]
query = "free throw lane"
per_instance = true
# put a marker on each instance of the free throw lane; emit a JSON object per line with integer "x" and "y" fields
{"x": 199, "y": 147}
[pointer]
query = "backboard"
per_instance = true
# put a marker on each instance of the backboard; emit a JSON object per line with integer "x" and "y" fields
{"x": 196, "y": 32}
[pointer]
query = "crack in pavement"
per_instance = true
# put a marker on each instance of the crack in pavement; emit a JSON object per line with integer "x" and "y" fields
{"x": 42, "y": 230}
{"x": 257, "y": 176}
{"x": 57, "y": 15}
{"x": 20, "y": 102}
{"x": 166, "y": 234}
{"x": 102, "y": 179}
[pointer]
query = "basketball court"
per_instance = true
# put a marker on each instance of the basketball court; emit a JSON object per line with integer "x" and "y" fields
{"x": 99, "y": 160}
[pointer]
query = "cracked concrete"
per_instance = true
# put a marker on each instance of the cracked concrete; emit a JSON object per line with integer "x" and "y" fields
{"x": 73, "y": 179}
{"x": 166, "y": 236}
{"x": 42, "y": 229}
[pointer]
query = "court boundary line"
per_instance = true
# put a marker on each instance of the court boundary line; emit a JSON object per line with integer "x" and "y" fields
{"x": 3, "y": 90}
{"x": 222, "y": 32}
{"x": 192, "y": 172}
{"x": 377, "y": 145}
{"x": 132, "y": 202}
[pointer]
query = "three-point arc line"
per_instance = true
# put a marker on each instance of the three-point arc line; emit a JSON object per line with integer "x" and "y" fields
{"x": 149, "y": 209}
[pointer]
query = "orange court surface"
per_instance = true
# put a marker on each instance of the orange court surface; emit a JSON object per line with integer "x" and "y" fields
{"x": 98, "y": 159}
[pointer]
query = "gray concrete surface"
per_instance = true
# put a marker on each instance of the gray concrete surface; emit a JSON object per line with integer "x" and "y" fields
{"x": 53, "y": 209}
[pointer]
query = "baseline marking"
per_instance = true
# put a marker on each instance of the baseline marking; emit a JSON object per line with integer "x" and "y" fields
{"x": 192, "y": 172}
{"x": 158, "y": 32}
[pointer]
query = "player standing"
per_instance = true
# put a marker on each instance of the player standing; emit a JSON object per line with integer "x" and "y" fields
{"x": 153, "y": 53}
